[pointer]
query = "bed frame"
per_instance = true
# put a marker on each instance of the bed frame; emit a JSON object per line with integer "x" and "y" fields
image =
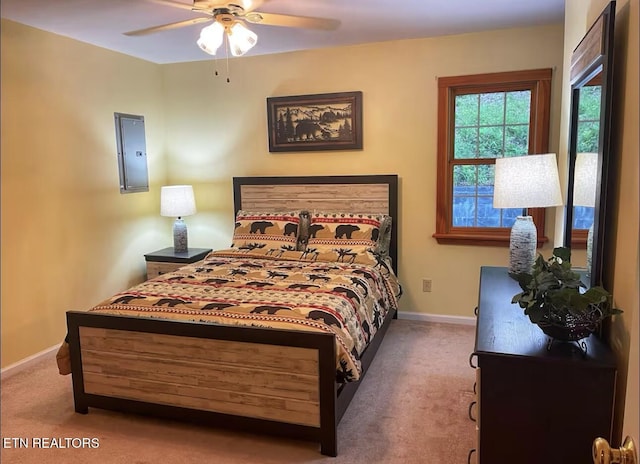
{"x": 234, "y": 377}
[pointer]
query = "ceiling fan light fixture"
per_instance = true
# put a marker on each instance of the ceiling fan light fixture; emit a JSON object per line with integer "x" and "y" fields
{"x": 211, "y": 38}
{"x": 241, "y": 39}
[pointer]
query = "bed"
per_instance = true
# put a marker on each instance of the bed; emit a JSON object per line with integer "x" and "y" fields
{"x": 259, "y": 363}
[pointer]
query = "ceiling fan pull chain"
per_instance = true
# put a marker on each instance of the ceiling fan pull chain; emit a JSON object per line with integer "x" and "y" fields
{"x": 226, "y": 49}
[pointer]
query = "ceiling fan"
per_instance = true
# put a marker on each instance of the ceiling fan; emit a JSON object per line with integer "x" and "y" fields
{"x": 228, "y": 19}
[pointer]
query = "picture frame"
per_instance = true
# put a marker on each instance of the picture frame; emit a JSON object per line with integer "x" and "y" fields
{"x": 329, "y": 121}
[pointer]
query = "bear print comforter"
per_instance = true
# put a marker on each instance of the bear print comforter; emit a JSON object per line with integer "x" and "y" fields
{"x": 289, "y": 291}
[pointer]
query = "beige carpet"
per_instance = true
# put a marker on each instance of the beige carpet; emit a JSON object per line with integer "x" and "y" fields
{"x": 411, "y": 408}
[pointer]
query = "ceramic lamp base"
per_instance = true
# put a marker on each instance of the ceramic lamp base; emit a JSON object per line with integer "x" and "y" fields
{"x": 180, "y": 236}
{"x": 522, "y": 245}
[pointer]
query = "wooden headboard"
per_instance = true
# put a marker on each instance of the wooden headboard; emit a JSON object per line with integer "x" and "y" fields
{"x": 349, "y": 194}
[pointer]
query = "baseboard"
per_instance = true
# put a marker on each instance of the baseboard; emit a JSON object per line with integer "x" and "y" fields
{"x": 463, "y": 320}
{"x": 25, "y": 363}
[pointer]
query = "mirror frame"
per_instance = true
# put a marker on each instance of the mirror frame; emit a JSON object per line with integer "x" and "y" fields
{"x": 593, "y": 55}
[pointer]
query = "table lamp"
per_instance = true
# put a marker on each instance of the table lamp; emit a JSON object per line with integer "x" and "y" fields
{"x": 529, "y": 181}
{"x": 584, "y": 191}
{"x": 178, "y": 201}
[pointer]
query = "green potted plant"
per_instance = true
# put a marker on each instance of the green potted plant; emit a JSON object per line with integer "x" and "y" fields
{"x": 554, "y": 298}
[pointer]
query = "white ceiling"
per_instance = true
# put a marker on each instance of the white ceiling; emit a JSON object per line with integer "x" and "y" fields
{"x": 102, "y": 22}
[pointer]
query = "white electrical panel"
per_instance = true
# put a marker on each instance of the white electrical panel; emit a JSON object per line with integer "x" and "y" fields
{"x": 132, "y": 153}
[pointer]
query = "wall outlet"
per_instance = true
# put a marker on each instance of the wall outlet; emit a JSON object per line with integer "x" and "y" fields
{"x": 426, "y": 285}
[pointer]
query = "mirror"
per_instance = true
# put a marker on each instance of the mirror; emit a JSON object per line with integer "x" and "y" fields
{"x": 585, "y": 166}
{"x": 589, "y": 142}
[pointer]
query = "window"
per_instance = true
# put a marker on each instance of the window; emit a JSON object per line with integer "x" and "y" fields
{"x": 588, "y": 138}
{"x": 480, "y": 118}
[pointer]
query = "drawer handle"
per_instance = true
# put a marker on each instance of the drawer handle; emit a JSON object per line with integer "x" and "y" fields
{"x": 471, "y": 360}
{"x": 473, "y": 403}
{"x": 475, "y": 310}
{"x": 475, "y": 386}
{"x": 469, "y": 455}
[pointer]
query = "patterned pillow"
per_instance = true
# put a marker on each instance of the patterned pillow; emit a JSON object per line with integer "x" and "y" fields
{"x": 271, "y": 231}
{"x": 343, "y": 236}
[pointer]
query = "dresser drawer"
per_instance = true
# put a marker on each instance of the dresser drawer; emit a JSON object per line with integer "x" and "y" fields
{"x": 168, "y": 260}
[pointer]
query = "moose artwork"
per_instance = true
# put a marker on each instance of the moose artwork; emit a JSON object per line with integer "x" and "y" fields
{"x": 331, "y": 121}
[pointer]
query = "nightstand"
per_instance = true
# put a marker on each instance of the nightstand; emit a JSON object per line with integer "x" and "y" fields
{"x": 167, "y": 260}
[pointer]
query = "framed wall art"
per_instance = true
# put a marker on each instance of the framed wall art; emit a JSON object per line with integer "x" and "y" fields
{"x": 330, "y": 121}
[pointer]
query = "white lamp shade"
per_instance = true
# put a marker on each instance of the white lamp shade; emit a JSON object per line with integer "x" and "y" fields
{"x": 530, "y": 181}
{"x": 177, "y": 201}
{"x": 211, "y": 38}
{"x": 241, "y": 39}
{"x": 584, "y": 182}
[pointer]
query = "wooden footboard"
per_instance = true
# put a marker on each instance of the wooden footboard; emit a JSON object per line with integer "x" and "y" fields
{"x": 256, "y": 379}
{"x": 248, "y": 377}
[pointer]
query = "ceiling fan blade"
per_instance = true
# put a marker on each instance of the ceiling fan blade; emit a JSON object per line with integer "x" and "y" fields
{"x": 165, "y": 27}
{"x": 272, "y": 19}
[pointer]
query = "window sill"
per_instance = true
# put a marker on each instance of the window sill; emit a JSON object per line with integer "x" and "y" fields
{"x": 579, "y": 239}
{"x": 479, "y": 240}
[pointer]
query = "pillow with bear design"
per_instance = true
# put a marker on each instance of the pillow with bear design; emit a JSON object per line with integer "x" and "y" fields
{"x": 342, "y": 236}
{"x": 274, "y": 232}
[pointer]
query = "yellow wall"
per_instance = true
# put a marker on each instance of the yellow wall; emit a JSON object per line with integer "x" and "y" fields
{"x": 579, "y": 15}
{"x": 69, "y": 238}
{"x": 216, "y": 130}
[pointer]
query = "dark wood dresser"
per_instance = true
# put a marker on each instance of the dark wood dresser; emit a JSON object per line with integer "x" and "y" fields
{"x": 534, "y": 403}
